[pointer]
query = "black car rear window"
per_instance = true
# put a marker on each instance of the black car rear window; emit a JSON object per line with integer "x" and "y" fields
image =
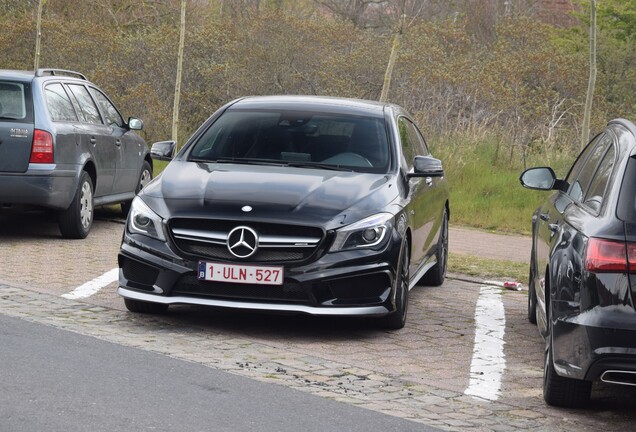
{"x": 323, "y": 139}
{"x": 16, "y": 104}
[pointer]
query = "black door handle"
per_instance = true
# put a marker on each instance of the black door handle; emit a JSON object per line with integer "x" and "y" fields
{"x": 544, "y": 216}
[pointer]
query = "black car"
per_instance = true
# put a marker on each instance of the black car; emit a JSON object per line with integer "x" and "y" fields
{"x": 582, "y": 285}
{"x": 64, "y": 146}
{"x": 313, "y": 205}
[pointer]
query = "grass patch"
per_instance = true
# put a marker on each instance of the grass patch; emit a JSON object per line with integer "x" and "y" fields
{"x": 158, "y": 166}
{"x": 488, "y": 268}
{"x": 483, "y": 177}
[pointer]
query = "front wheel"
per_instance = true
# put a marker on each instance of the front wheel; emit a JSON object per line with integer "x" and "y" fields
{"x": 436, "y": 275}
{"x": 75, "y": 222}
{"x": 144, "y": 178}
{"x": 532, "y": 300}
{"x": 397, "y": 319}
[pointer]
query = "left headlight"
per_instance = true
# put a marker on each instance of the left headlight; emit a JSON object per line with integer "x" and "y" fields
{"x": 366, "y": 233}
{"x": 142, "y": 220}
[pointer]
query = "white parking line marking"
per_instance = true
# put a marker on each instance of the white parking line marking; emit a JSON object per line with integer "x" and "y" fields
{"x": 91, "y": 287}
{"x": 489, "y": 363}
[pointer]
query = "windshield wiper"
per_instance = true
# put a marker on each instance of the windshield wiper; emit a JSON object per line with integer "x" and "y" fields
{"x": 318, "y": 165}
{"x": 239, "y": 161}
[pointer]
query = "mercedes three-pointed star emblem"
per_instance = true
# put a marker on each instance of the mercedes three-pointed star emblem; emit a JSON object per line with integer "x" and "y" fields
{"x": 242, "y": 242}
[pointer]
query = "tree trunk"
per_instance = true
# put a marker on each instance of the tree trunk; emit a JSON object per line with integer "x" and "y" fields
{"x": 389, "y": 68}
{"x": 38, "y": 36}
{"x": 177, "y": 90}
{"x": 585, "y": 135}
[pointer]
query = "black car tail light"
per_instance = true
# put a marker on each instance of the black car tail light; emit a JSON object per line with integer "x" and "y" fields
{"x": 610, "y": 256}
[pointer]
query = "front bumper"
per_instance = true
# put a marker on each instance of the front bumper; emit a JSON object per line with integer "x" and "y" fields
{"x": 351, "y": 283}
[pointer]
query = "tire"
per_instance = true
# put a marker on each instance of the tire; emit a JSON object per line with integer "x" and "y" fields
{"x": 144, "y": 178}
{"x": 145, "y": 307}
{"x": 397, "y": 319}
{"x": 436, "y": 274}
{"x": 75, "y": 222}
{"x": 532, "y": 299}
{"x": 562, "y": 391}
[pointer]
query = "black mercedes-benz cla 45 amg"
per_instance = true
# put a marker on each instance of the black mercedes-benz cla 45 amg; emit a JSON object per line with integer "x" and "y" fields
{"x": 291, "y": 204}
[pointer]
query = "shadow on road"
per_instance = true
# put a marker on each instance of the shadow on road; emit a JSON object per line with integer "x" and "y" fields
{"x": 42, "y": 224}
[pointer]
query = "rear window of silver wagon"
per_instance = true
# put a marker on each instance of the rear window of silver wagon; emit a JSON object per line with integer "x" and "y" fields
{"x": 15, "y": 102}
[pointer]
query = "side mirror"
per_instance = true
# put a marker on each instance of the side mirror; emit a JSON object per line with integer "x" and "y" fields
{"x": 135, "y": 123}
{"x": 427, "y": 166}
{"x": 540, "y": 178}
{"x": 163, "y": 150}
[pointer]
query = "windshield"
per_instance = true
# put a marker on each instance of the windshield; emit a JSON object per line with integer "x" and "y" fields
{"x": 303, "y": 139}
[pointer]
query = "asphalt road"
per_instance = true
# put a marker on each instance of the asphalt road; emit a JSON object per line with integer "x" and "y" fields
{"x": 55, "y": 380}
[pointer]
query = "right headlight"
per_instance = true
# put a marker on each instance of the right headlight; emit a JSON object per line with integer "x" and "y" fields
{"x": 142, "y": 220}
{"x": 366, "y": 233}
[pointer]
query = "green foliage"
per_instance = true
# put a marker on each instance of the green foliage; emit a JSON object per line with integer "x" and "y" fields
{"x": 616, "y": 55}
{"x": 492, "y": 96}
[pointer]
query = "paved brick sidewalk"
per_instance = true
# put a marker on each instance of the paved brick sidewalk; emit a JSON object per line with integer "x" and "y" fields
{"x": 483, "y": 244}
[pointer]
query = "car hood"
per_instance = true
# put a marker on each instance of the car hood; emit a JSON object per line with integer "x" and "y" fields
{"x": 274, "y": 193}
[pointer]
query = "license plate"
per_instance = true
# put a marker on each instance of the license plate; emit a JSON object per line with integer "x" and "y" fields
{"x": 244, "y": 274}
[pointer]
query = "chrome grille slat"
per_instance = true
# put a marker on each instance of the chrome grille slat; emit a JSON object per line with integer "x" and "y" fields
{"x": 276, "y": 242}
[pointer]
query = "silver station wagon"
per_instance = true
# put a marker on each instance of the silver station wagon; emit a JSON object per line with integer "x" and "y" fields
{"x": 64, "y": 146}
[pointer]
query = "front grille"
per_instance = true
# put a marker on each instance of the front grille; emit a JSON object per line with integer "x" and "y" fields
{"x": 262, "y": 255}
{"x": 189, "y": 285}
{"x": 203, "y": 238}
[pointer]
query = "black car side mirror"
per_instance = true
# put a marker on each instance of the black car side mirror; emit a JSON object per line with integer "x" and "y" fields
{"x": 427, "y": 166}
{"x": 163, "y": 150}
{"x": 540, "y": 178}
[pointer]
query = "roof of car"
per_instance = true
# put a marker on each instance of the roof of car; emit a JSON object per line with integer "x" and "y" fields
{"x": 17, "y": 75}
{"x": 22, "y": 75}
{"x": 313, "y": 103}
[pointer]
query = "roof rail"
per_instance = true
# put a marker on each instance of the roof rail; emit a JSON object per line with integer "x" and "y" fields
{"x": 52, "y": 72}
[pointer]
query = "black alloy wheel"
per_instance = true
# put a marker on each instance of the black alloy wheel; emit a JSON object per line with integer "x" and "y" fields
{"x": 397, "y": 319}
{"x": 532, "y": 298}
{"x": 436, "y": 275}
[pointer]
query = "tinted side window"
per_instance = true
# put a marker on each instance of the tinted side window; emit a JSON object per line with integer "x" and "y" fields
{"x": 58, "y": 103}
{"x": 412, "y": 141}
{"x": 87, "y": 107}
{"x": 596, "y": 193}
{"x": 580, "y": 160}
{"x": 627, "y": 198}
{"x": 580, "y": 185}
{"x": 111, "y": 114}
